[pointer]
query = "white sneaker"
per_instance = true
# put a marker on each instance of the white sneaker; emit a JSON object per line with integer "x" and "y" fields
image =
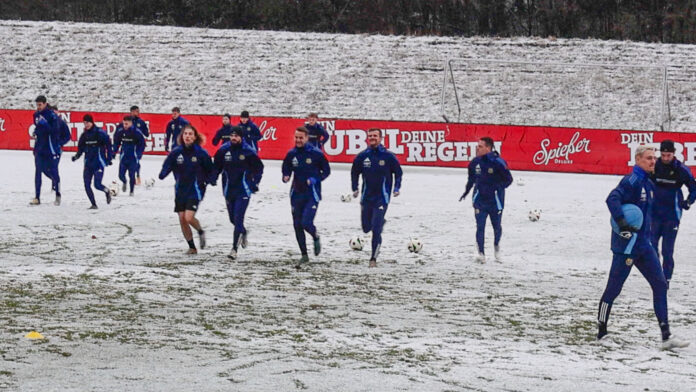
{"x": 57, "y": 201}
{"x": 34, "y": 202}
{"x": 233, "y": 254}
{"x": 481, "y": 258}
{"x": 496, "y": 254}
{"x": 674, "y": 342}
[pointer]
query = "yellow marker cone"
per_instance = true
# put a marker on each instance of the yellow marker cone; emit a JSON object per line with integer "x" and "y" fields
{"x": 33, "y": 335}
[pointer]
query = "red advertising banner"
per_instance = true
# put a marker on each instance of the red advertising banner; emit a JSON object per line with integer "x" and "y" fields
{"x": 414, "y": 143}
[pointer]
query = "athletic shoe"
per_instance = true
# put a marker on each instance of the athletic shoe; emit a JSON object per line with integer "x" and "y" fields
{"x": 123, "y": 187}
{"x": 243, "y": 240}
{"x": 191, "y": 251}
{"x": 674, "y": 342}
{"x": 93, "y": 207}
{"x": 201, "y": 239}
{"x": 601, "y": 330}
{"x": 317, "y": 246}
{"x": 131, "y": 194}
{"x": 481, "y": 258}
{"x": 108, "y": 197}
{"x": 303, "y": 260}
{"x": 34, "y": 202}
{"x": 496, "y": 254}
{"x": 373, "y": 263}
{"x": 57, "y": 201}
{"x": 233, "y": 254}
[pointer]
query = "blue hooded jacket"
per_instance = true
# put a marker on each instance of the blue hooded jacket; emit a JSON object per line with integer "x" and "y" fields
{"x": 193, "y": 170}
{"x": 240, "y": 167}
{"x": 173, "y": 130}
{"x": 489, "y": 175}
{"x": 132, "y": 144}
{"x": 669, "y": 199}
{"x": 378, "y": 167}
{"x": 635, "y": 188}
{"x": 317, "y": 135}
{"x": 309, "y": 164}
{"x": 47, "y": 133}
{"x": 96, "y": 145}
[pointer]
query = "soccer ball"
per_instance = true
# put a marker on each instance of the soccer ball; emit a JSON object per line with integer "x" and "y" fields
{"x": 113, "y": 189}
{"x": 346, "y": 198}
{"x": 534, "y": 215}
{"x": 355, "y": 243}
{"x": 520, "y": 181}
{"x": 149, "y": 183}
{"x": 415, "y": 245}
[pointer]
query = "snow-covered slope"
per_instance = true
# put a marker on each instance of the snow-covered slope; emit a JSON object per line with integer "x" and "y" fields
{"x": 109, "y": 67}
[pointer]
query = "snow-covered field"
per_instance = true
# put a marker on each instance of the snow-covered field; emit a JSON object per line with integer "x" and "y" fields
{"x": 110, "y": 67}
{"x": 127, "y": 310}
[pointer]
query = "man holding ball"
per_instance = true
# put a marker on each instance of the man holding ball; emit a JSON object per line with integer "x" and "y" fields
{"x": 631, "y": 245}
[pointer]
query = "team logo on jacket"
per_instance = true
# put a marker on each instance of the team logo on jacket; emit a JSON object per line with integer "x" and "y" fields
{"x": 194, "y": 159}
{"x": 308, "y": 161}
{"x": 228, "y": 156}
{"x": 478, "y": 169}
{"x": 242, "y": 157}
{"x": 629, "y": 261}
{"x": 367, "y": 162}
{"x": 295, "y": 162}
{"x": 180, "y": 159}
{"x": 173, "y": 126}
{"x": 643, "y": 195}
{"x": 381, "y": 162}
{"x": 248, "y": 129}
{"x": 490, "y": 170}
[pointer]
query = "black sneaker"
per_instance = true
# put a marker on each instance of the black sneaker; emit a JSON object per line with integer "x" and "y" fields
{"x": 602, "y": 330}
{"x": 108, "y": 197}
{"x": 93, "y": 207}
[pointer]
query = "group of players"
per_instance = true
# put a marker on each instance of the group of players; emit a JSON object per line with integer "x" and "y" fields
{"x": 655, "y": 186}
{"x": 236, "y": 161}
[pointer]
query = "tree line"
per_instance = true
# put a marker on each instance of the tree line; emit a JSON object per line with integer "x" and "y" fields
{"x": 639, "y": 20}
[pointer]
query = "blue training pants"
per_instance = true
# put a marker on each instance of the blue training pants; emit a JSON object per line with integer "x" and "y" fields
{"x": 668, "y": 231}
{"x": 496, "y": 216}
{"x": 236, "y": 209}
{"x": 48, "y": 165}
{"x": 304, "y": 209}
{"x": 98, "y": 175}
{"x": 372, "y": 217}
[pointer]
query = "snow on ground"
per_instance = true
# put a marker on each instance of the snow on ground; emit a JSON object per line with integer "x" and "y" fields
{"x": 110, "y": 67}
{"x": 129, "y": 311}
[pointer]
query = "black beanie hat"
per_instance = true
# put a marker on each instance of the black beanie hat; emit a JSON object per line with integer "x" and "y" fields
{"x": 667, "y": 146}
{"x": 237, "y": 130}
{"x": 227, "y": 115}
{"x": 88, "y": 117}
{"x": 245, "y": 114}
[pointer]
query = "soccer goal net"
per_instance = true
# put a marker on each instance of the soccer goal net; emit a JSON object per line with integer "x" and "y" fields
{"x": 604, "y": 96}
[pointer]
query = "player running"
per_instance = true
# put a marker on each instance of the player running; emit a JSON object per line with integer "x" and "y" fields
{"x": 317, "y": 134}
{"x": 632, "y": 246}
{"x": 174, "y": 128}
{"x": 241, "y": 171}
{"x": 141, "y": 126}
{"x": 670, "y": 176}
{"x": 46, "y": 149}
{"x": 193, "y": 170}
{"x": 252, "y": 134}
{"x": 131, "y": 142}
{"x": 96, "y": 145}
{"x": 310, "y": 168}
{"x": 378, "y": 167}
{"x": 223, "y": 134}
{"x": 489, "y": 176}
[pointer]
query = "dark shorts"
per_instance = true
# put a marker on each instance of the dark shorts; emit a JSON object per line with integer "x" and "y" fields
{"x": 190, "y": 205}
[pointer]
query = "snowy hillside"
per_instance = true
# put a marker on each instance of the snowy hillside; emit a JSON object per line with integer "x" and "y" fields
{"x": 110, "y": 67}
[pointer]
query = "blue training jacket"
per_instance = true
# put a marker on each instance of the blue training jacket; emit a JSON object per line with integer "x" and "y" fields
{"x": 47, "y": 133}
{"x": 193, "y": 170}
{"x": 635, "y": 188}
{"x": 317, "y": 135}
{"x": 132, "y": 144}
{"x": 64, "y": 134}
{"x": 669, "y": 180}
{"x": 222, "y": 134}
{"x": 378, "y": 167}
{"x": 240, "y": 167}
{"x": 141, "y": 126}
{"x": 96, "y": 145}
{"x": 252, "y": 134}
{"x": 174, "y": 127}
{"x": 489, "y": 176}
{"x": 308, "y": 163}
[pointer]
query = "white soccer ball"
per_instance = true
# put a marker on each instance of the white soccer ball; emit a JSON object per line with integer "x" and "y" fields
{"x": 534, "y": 215}
{"x": 415, "y": 245}
{"x": 113, "y": 189}
{"x": 149, "y": 183}
{"x": 520, "y": 181}
{"x": 346, "y": 198}
{"x": 356, "y": 243}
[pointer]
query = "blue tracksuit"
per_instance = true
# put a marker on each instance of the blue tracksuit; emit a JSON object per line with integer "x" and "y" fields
{"x": 308, "y": 165}
{"x": 173, "y": 130}
{"x": 132, "y": 144}
{"x": 241, "y": 171}
{"x": 141, "y": 126}
{"x": 378, "y": 167}
{"x": 489, "y": 176}
{"x": 317, "y": 135}
{"x": 252, "y": 134}
{"x": 635, "y": 188}
{"x": 193, "y": 170}
{"x": 669, "y": 200}
{"x": 222, "y": 134}
{"x": 64, "y": 133}
{"x": 96, "y": 145}
{"x": 46, "y": 149}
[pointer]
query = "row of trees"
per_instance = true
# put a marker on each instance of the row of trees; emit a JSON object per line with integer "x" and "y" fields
{"x": 641, "y": 20}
